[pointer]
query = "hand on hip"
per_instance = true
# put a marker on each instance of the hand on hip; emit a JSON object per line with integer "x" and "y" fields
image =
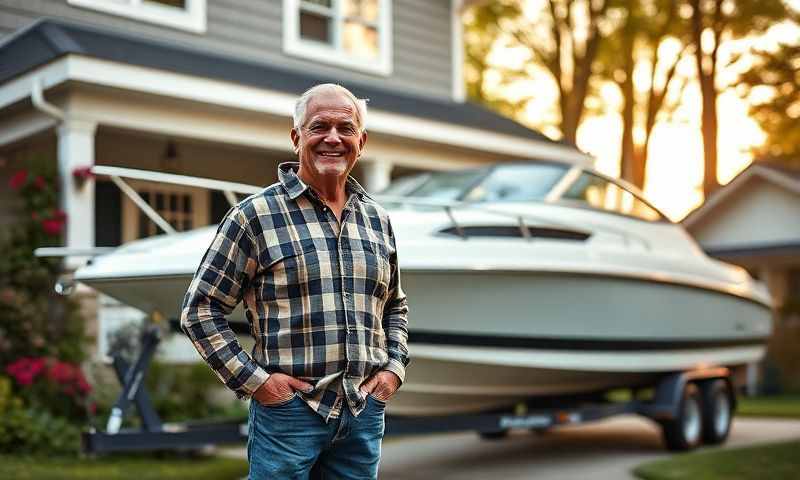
{"x": 279, "y": 388}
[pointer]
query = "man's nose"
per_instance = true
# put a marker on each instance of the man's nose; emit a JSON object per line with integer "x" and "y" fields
{"x": 333, "y": 137}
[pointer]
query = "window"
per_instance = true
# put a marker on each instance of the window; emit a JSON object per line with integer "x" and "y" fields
{"x": 351, "y": 33}
{"x": 517, "y": 183}
{"x": 182, "y": 14}
{"x": 600, "y": 193}
{"x": 184, "y": 208}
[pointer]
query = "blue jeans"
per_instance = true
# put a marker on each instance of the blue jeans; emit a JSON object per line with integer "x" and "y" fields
{"x": 286, "y": 440}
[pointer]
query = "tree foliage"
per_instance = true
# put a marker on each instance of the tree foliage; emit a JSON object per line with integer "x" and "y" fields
{"x": 712, "y": 22}
{"x": 777, "y": 74}
{"x": 639, "y": 43}
{"x": 562, "y": 37}
{"x": 481, "y": 33}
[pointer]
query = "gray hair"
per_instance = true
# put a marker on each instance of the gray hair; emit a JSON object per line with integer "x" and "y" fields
{"x": 301, "y": 104}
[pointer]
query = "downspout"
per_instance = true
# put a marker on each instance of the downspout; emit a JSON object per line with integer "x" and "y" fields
{"x": 39, "y": 103}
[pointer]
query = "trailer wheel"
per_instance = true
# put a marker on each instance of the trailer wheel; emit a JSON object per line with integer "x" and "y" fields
{"x": 717, "y": 411}
{"x": 685, "y": 431}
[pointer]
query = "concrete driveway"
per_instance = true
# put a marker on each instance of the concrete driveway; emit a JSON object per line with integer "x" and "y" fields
{"x": 609, "y": 449}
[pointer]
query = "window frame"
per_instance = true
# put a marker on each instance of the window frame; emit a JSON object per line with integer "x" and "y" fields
{"x": 582, "y": 204}
{"x": 293, "y": 45}
{"x": 192, "y": 18}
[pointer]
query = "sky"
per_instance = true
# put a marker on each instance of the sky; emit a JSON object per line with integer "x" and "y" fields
{"x": 674, "y": 174}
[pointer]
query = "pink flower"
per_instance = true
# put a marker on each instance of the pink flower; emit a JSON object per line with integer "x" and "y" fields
{"x": 60, "y": 372}
{"x": 39, "y": 182}
{"x": 18, "y": 180}
{"x": 26, "y": 369}
{"x": 52, "y": 226}
{"x": 82, "y": 173}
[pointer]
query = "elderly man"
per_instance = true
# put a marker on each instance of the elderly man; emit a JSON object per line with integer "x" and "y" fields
{"x": 313, "y": 257}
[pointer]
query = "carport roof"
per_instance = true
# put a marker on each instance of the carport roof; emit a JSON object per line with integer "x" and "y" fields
{"x": 49, "y": 39}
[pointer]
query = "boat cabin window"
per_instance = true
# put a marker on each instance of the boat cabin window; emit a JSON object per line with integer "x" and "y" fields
{"x": 517, "y": 183}
{"x": 503, "y": 183}
{"x": 604, "y": 194}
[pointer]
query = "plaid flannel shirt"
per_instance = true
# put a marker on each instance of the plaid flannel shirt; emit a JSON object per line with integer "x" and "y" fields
{"x": 323, "y": 299}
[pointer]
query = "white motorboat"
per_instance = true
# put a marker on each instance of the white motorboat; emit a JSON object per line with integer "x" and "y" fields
{"x": 524, "y": 280}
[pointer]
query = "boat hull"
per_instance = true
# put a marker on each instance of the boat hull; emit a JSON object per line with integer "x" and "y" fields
{"x": 487, "y": 340}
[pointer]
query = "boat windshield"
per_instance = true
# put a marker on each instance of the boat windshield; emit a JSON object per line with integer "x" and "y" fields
{"x": 502, "y": 183}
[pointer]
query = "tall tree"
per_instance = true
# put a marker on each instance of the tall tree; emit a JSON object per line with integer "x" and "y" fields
{"x": 712, "y": 22}
{"x": 778, "y": 112}
{"x": 647, "y": 26}
{"x": 563, "y": 37}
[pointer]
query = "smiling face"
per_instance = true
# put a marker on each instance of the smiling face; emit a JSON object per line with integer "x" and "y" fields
{"x": 329, "y": 142}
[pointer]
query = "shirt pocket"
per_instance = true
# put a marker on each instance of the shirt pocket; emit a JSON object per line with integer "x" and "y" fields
{"x": 371, "y": 266}
{"x": 295, "y": 271}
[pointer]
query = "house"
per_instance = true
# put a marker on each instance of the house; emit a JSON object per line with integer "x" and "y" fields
{"x": 206, "y": 88}
{"x": 754, "y": 222}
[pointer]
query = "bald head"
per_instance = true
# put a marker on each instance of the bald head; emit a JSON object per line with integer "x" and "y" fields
{"x": 301, "y": 105}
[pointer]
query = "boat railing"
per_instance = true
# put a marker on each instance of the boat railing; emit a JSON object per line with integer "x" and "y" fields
{"x": 116, "y": 174}
{"x": 522, "y": 218}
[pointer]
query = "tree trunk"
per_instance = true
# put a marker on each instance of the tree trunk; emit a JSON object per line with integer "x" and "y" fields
{"x": 709, "y": 127}
{"x": 706, "y": 74}
{"x": 627, "y": 151}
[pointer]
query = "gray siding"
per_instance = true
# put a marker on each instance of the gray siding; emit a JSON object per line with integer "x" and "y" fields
{"x": 251, "y": 29}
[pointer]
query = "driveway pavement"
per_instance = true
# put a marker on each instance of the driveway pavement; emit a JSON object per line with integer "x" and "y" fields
{"x": 609, "y": 449}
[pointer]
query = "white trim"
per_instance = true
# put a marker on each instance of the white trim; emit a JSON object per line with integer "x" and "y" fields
{"x": 24, "y": 125}
{"x": 192, "y": 19}
{"x": 754, "y": 170}
{"x": 295, "y": 46}
{"x": 215, "y": 92}
{"x": 457, "y": 50}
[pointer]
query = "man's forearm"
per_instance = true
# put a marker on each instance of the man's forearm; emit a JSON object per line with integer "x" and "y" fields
{"x": 395, "y": 325}
{"x": 220, "y": 349}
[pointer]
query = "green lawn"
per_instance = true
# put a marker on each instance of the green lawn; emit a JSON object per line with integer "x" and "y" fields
{"x": 787, "y": 405}
{"x": 776, "y": 461}
{"x": 133, "y": 467}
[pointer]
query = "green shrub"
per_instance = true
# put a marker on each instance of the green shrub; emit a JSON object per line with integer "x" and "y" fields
{"x": 25, "y": 430}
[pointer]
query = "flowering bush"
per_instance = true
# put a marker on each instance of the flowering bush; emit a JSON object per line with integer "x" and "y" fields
{"x": 42, "y": 338}
{"x": 53, "y": 385}
{"x": 40, "y": 195}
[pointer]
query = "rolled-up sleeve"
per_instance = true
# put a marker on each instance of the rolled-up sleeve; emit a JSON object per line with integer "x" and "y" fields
{"x": 395, "y": 319}
{"x": 227, "y": 268}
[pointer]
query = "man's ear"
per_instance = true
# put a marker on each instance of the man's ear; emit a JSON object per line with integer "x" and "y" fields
{"x": 295, "y": 140}
{"x": 362, "y": 141}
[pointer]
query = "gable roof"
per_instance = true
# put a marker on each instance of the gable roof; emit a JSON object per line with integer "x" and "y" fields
{"x": 49, "y": 39}
{"x": 778, "y": 174}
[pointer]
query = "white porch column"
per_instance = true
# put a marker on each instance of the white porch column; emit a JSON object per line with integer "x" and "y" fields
{"x": 377, "y": 174}
{"x": 76, "y": 149}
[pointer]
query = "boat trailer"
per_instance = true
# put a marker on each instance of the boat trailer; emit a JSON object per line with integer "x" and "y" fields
{"x": 683, "y": 403}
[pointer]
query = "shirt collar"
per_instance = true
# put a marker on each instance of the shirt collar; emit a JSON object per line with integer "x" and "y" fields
{"x": 294, "y": 186}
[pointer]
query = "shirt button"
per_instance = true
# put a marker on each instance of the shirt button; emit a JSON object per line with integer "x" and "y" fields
{"x": 346, "y": 294}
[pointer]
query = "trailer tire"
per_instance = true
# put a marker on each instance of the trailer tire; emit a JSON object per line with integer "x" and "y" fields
{"x": 717, "y": 411}
{"x": 684, "y": 432}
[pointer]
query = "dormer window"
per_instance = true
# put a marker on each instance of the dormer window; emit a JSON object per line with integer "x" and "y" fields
{"x": 350, "y": 33}
{"x": 182, "y": 14}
